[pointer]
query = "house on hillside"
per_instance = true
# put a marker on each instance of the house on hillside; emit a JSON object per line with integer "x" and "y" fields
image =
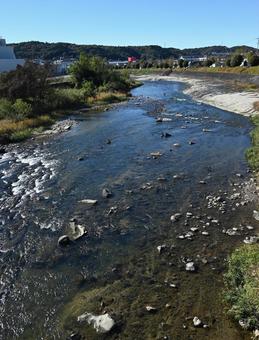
{"x": 8, "y": 61}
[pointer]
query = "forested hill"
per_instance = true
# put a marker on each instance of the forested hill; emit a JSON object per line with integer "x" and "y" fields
{"x": 36, "y": 49}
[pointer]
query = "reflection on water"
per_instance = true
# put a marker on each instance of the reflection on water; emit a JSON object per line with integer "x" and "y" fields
{"x": 42, "y": 183}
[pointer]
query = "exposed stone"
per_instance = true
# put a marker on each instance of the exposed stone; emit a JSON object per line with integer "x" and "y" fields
{"x": 155, "y": 154}
{"x": 101, "y": 323}
{"x": 77, "y": 231}
{"x": 256, "y": 215}
{"x": 151, "y": 309}
{"x": 88, "y": 201}
{"x": 175, "y": 217}
{"x": 64, "y": 240}
{"x": 190, "y": 267}
{"x": 197, "y": 322}
{"x": 251, "y": 239}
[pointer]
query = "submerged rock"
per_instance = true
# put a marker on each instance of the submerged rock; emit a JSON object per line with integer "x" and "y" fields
{"x": 106, "y": 193}
{"x": 165, "y": 135}
{"x": 101, "y": 323}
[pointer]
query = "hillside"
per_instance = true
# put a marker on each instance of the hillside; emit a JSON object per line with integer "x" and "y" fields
{"x": 45, "y": 50}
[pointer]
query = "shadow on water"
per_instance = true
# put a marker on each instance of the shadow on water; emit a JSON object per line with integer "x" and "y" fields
{"x": 42, "y": 184}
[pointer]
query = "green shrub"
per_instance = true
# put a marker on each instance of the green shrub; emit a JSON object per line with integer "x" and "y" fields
{"x": 14, "y": 111}
{"x": 88, "y": 89}
{"x": 19, "y": 136}
{"x": 242, "y": 285}
{"x": 6, "y": 108}
{"x": 22, "y": 109}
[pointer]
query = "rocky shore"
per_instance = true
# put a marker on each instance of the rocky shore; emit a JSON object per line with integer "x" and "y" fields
{"x": 213, "y": 91}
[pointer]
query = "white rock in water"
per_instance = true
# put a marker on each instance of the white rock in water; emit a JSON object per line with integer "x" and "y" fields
{"x": 150, "y": 309}
{"x": 196, "y": 322}
{"x": 256, "y": 215}
{"x": 102, "y": 323}
{"x": 190, "y": 267}
{"x": 89, "y": 201}
{"x": 77, "y": 231}
{"x": 175, "y": 217}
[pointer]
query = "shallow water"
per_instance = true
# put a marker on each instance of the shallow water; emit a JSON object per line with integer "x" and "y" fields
{"x": 43, "y": 181}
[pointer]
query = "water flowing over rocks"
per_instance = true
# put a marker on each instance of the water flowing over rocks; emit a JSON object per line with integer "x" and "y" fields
{"x": 157, "y": 238}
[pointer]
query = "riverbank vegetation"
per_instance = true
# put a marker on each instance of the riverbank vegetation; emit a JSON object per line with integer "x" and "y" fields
{"x": 242, "y": 286}
{"x": 28, "y": 101}
{"x": 252, "y": 153}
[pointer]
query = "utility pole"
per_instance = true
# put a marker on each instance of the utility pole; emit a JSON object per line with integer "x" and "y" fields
{"x": 257, "y": 46}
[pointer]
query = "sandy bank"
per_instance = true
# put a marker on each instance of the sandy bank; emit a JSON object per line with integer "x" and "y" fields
{"x": 214, "y": 93}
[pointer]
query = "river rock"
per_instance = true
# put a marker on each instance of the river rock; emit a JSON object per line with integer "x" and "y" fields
{"x": 251, "y": 239}
{"x": 164, "y": 119}
{"x": 155, "y": 154}
{"x": 151, "y": 309}
{"x": 77, "y": 231}
{"x": 64, "y": 240}
{"x": 89, "y": 201}
{"x": 190, "y": 267}
{"x": 106, "y": 193}
{"x": 175, "y": 217}
{"x": 197, "y": 322}
{"x": 101, "y": 323}
{"x": 256, "y": 215}
{"x": 161, "y": 248}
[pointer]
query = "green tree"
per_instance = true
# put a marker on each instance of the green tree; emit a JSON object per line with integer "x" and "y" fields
{"x": 253, "y": 59}
{"x": 236, "y": 60}
{"x": 28, "y": 82}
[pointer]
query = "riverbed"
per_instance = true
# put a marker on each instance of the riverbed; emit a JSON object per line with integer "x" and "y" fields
{"x": 191, "y": 162}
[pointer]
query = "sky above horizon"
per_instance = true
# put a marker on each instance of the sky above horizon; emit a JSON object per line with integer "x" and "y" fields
{"x": 168, "y": 23}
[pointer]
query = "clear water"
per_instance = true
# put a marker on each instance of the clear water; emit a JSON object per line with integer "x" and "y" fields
{"x": 42, "y": 182}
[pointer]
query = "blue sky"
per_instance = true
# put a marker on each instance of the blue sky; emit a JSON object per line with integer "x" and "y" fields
{"x": 170, "y": 23}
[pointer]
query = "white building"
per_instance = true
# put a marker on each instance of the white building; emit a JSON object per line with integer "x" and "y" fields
{"x": 8, "y": 61}
{"x": 62, "y": 65}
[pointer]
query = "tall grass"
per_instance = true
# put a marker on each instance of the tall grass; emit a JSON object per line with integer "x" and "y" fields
{"x": 11, "y": 130}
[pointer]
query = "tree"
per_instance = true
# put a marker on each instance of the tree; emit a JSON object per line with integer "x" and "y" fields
{"x": 28, "y": 82}
{"x": 253, "y": 59}
{"x": 93, "y": 69}
{"x": 236, "y": 60}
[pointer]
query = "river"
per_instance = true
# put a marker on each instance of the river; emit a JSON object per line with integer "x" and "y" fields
{"x": 200, "y": 167}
